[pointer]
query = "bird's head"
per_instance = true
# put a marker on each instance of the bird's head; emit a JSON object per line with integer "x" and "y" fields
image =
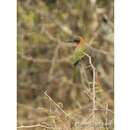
{"x": 77, "y": 40}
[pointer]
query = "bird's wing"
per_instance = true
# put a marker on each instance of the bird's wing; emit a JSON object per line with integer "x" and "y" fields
{"x": 77, "y": 55}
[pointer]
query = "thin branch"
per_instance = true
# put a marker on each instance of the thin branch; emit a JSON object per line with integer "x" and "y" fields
{"x": 40, "y": 60}
{"x": 34, "y": 126}
{"x": 99, "y": 51}
{"x": 28, "y": 126}
{"x": 66, "y": 114}
{"x": 53, "y": 62}
{"x": 106, "y": 115}
{"x": 30, "y": 58}
{"x": 93, "y": 90}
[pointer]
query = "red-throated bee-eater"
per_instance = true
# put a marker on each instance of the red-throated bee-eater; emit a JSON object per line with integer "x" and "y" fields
{"x": 78, "y": 53}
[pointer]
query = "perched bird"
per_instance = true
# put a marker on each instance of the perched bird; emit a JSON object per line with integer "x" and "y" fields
{"x": 78, "y": 53}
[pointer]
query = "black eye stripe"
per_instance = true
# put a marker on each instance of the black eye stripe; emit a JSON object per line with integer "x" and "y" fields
{"x": 77, "y": 40}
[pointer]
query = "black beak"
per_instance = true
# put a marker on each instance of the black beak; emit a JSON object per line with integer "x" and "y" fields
{"x": 71, "y": 41}
{"x": 74, "y": 41}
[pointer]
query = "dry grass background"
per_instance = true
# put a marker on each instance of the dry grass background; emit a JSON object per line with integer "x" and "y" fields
{"x": 47, "y": 97}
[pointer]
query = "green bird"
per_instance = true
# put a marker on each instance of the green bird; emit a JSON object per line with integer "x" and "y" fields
{"x": 78, "y": 53}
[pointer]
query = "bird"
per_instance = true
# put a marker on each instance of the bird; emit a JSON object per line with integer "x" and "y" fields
{"x": 78, "y": 53}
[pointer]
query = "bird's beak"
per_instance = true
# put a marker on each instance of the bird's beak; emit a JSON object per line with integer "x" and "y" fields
{"x": 74, "y": 40}
{"x": 71, "y": 41}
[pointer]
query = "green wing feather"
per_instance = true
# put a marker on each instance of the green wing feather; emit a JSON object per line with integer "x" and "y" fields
{"x": 78, "y": 55}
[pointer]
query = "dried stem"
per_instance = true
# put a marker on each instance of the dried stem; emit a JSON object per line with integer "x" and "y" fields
{"x": 106, "y": 115}
{"x": 93, "y": 90}
{"x": 53, "y": 62}
{"x": 34, "y": 126}
{"x": 66, "y": 114}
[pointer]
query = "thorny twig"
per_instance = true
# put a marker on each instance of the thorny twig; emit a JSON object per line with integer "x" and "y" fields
{"x": 93, "y": 89}
{"x": 66, "y": 114}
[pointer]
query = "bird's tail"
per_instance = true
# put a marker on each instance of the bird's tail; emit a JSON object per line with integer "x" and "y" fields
{"x": 74, "y": 74}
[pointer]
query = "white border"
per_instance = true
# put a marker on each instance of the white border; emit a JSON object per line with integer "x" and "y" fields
{"x": 122, "y": 64}
{"x": 8, "y": 64}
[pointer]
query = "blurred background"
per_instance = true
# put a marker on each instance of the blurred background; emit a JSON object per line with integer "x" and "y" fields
{"x": 47, "y": 97}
